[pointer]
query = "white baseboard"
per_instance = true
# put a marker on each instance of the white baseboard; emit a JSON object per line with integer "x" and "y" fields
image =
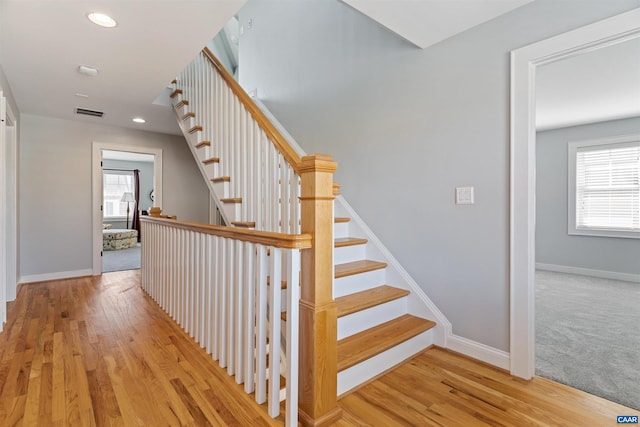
{"x": 479, "y": 351}
{"x": 55, "y": 276}
{"x": 603, "y": 274}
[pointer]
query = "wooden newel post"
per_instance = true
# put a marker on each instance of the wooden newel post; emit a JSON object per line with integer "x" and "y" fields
{"x": 318, "y": 314}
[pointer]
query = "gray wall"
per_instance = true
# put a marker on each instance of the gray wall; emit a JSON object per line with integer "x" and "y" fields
{"x": 553, "y": 244}
{"x": 55, "y": 188}
{"x": 146, "y": 183}
{"x": 406, "y": 127}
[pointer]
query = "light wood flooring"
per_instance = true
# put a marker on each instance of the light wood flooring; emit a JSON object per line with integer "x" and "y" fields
{"x": 98, "y": 351}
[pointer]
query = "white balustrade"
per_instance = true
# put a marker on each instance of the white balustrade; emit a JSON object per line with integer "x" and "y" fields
{"x": 225, "y": 292}
{"x": 259, "y": 173}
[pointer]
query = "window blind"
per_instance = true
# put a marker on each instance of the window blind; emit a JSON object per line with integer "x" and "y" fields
{"x": 608, "y": 187}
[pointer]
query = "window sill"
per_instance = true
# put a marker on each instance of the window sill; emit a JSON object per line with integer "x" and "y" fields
{"x": 595, "y": 232}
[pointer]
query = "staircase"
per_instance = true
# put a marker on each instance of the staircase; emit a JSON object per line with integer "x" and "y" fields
{"x": 375, "y": 329}
{"x": 381, "y": 313}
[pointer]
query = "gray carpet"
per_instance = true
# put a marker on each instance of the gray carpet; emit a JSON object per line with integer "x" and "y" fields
{"x": 124, "y": 259}
{"x": 588, "y": 334}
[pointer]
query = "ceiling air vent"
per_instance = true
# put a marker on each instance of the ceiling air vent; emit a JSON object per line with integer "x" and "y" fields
{"x": 86, "y": 112}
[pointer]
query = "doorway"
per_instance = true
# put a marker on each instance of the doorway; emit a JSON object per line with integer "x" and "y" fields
{"x": 524, "y": 64}
{"x": 8, "y": 207}
{"x": 111, "y": 213}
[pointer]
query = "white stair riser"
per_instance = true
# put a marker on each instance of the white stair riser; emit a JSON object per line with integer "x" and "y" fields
{"x": 358, "y": 282}
{"x": 221, "y": 189}
{"x": 362, "y": 372}
{"x": 349, "y": 254}
{"x": 340, "y": 229}
{"x": 374, "y": 316}
{"x": 211, "y": 169}
{"x": 232, "y": 210}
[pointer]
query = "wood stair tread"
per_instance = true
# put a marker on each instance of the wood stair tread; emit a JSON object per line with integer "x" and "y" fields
{"x": 182, "y": 103}
{"x": 357, "y": 267}
{"x": 211, "y": 160}
{"x": 175, "y": 93}
{"x": 188, "y": 115}
{"x": 366, "y": 344}
{"x": 244, "y": 224}
{"x": 341, "y": 242}
{"x": 368, "y": 298}
{"x": 341, "y": 219}
{"x": 232, "y": 200}
{"x": 221, "y": 179}
{"x": 203, "y": 144}
{"x": 363, "y": 300}
{"x": 195, "y": 129}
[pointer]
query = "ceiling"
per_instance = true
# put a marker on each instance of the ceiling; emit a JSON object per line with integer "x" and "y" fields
{"x": 427, "y": 22}
{"x": 42, "y": 43}
{"x": 599, "y": 85}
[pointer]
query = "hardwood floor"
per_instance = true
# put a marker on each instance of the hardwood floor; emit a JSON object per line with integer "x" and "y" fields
{"x": 98, "y": 351}
{"x": 442, "y": 388}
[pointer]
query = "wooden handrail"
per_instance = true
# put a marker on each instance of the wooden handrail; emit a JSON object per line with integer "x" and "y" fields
{"x": 274, "y": 135}
{"x": 278, "y": 240}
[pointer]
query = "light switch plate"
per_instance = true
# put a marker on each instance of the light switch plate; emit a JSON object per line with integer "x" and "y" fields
{"x": 464, "y": 196}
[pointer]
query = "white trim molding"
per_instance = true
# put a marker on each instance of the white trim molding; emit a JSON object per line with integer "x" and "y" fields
{"x": 602, "y": 274}
{"x": 33, "y": 278}
{"x": 524, "y": 63}
{"x": 96, "y": 188}
{"x": 479, "y": 351}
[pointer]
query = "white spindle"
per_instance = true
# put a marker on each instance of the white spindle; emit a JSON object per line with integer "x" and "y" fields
{"x": 261, "y": 328}
{"x": 292, "y": 334}
{"x": 249, "y": 317}
{"x": 275, "y": 270}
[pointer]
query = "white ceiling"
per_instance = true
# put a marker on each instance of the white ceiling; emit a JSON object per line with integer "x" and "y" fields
{"x": 427, "y": 22}
{"x": 42, "y": 43}
{"x": 600, "y": 85}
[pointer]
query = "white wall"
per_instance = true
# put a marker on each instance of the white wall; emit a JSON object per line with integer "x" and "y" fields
{"x": 406, "y": 127}
{"x": 553, "y": 244}
{"x": 55, "y": 189}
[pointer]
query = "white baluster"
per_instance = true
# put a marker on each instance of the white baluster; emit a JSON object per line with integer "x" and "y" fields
{"x": 239, "y": 302}
{"x": 249, "y": 317}
{"x": 261, "y": 325}
{"x": 230, "y": 304}
{"x": 222, "y": 307}
{"x": 275, "y": 273}
{"x": 292, "y": 334}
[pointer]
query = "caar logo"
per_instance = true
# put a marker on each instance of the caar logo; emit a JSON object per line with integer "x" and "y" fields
{"x": 627, "y": 419}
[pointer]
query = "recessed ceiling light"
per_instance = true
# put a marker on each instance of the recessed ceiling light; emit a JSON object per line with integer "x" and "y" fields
{"x": 102, "y": 19}
{"x": 82, "y": 95}
{"x": 139, "y": 120}
{"x": 87, "y": 70}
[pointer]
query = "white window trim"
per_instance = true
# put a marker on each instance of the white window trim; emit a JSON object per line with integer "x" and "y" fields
{"x": 571, "y": 199}
{"x": 115, "y": 217}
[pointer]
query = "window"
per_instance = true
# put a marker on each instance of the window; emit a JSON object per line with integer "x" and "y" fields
{"x": 604, "y": 187}
{"x": 115, "y": 184}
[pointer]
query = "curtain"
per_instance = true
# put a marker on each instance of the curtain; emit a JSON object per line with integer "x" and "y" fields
{"x": 135, "y": 222}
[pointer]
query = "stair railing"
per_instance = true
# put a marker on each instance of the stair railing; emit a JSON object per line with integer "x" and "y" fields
{"x": 222, "y": 285}
{"x": 259, "y": 181}
{"x": 251, "y": 157}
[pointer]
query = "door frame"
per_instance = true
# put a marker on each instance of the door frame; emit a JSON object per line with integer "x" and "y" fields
{"x": 97, "y": 195}
{"x": 524, "y": 62}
